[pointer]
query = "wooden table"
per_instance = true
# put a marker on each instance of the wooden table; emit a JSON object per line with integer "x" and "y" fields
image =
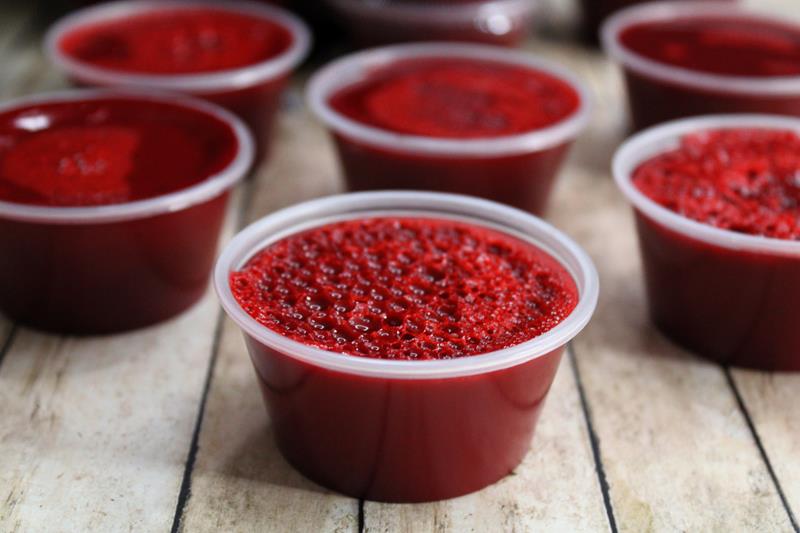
{"x": 163, "y": 429}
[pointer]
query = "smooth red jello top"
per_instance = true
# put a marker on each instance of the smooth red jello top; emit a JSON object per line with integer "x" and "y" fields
{"x": 734, "y": 46}
{"x": 457, "y": 98}
{"x": 106, "y": 151}
{"x": 744, "y": 180}
{"x": 177, "y": 41}
{"x": 402, "y": 288}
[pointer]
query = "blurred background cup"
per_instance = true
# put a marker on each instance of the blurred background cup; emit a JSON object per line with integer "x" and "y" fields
{"x": 594, "y": 12}
{"x": 659, "y": 92}
{"x": 499, "y": 22}
{"x": 518, "y": 169}
{"x": 252, "y": 92}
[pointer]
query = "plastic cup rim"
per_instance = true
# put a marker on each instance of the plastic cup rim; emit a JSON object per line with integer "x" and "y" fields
{"x": 331, "y": 78}
{"x": 436, "y": 13}
{"x": 309, "y": 214}
{"x": 665, "y": 10}
{"x": 202, "y": 191}
{"x": 198, "y": 83}
{"x": 657, "y": 140}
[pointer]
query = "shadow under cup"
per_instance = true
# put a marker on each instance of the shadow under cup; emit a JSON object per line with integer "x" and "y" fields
{"x": 405, "y": 431}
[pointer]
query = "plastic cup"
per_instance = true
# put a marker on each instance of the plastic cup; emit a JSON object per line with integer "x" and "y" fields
{"x": 405, "y": 431}
{"x": 109, "y": 268}
{"x": 596, "y": 11}
{"x": 518, "y": 170}
{"x": 728, "y": 296}
{"x": 499, "y": 22}
{"x": 252, "y": 92}
{"x": 658, "y": 92}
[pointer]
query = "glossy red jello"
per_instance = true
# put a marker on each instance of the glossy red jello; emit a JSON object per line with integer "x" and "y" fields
{"x": 454, "y": 118}
{"x": 236, "y": 54}
{"x": 405, "y": 342}
{"x": 111, "y": 205}
{"x": 684, "y": 59}
{"x": 718, "y": 214}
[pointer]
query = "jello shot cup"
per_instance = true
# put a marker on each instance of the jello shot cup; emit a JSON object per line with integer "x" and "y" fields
{"x": 518, "y": 169}
{"x": 114, "y": 265}
{"x": 594, "y": 12}
{"x": 404, "y": 430}
{"x": 725, "y": 295}
{"x": 720, "y": 57}
{"x": 497, "y": 22}
{"x": 236, "y": 54}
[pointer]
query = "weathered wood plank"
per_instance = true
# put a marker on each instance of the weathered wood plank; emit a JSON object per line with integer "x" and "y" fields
{"x": 240, "y": 481}
{"x": 675, "y": 447}
{"x": 14, "y": 25}
{"x": 20, "y": 49}
{"x": 554, "y": 489}
{"x": 771, "y": 400}
{"x": 95, "y": 431}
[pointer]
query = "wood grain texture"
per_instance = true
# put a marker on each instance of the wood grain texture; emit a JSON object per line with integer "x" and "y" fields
{"x": 240, "y": 481}
{"x": 554, "y": 489}
{"x": 19, "y": 49}
{"x": 772, "y": 402}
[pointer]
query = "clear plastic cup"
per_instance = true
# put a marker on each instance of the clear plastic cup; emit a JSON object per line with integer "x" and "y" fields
{"x": 518, "y": 170}
{"x": 252, "y": 92}
{"x": 405, "y": 431}
{"x": 109, "y": 268}
{"x": 499, "y": 22}
{"x": 728, "y": 296}
{"x": 658, "y": 92}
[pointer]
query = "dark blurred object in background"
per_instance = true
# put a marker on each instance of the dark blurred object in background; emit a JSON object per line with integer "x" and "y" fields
{"x": 500, "y": 22}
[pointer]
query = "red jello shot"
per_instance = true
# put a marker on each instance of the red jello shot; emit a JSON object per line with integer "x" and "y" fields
{"x": 236, "y": 54}
{"x": 111, "y": 205}
{"x": 684, "y": 59}
{"x": 594, "y": 12}
{"x": 405, "y": 342}
{"x": 717, "y": 206}
{"x": 460, "y": 118}
{"x": 497, "y": 22}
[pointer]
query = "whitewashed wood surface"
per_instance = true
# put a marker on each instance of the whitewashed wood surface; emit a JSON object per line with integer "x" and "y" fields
{"x": 163, "y": 429}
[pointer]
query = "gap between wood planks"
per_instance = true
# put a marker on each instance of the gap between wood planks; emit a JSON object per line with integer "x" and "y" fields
{"x": 186, "y": 482}
{"x": 759, "y": 444}
{"x": 597, "y": 453}
{"x": 594, "y": 440}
